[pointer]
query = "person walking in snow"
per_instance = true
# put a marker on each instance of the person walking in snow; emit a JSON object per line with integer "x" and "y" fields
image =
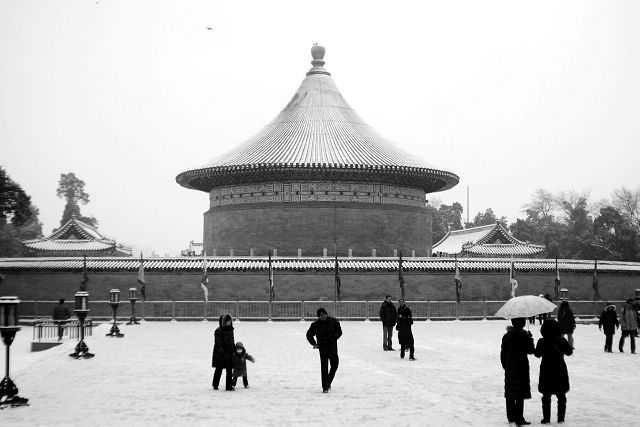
{"x": 554, "y": 377}
{"x": 223, "y": 349}
{"x": 323, "y": 334}
{"x": 567, "y": 321}
{"x": 516, "y": 345}
{"x": 405, "y": 336}
{"x": 239, "y": 362}
{"x": 609, "y": 322}
{"x": 628, "y": 326}
{"x": 389, "y": 316}
{"x": 60, "y": 315}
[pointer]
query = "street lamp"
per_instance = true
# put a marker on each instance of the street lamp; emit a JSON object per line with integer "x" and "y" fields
{"x": 564, "y": 294}
{"x": 114, "y": 299}
{"x": 133, "y": 296}
{"x": 81, "y": 311}
{"x": 8, "y": 328}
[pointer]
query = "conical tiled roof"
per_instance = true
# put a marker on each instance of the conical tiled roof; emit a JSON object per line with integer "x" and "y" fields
{"x": 318, "y": 136}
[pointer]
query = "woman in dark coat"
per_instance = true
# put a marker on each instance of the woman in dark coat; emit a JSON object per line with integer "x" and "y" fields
{"x": 567, "y": 321}
{"x": 516, "y": 345}
{"x": 608, "y": 324}
{"x": 405, "y": 336}
{"x": 554, "y": 377}
{"x": 223, "y": 349}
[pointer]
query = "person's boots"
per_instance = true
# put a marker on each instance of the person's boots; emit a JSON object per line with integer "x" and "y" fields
{"x": 621, "y": 344}
{"x": 546, "y": 410}
{"x": 562, "y": 409}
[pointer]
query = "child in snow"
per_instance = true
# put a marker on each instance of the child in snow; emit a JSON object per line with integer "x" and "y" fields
{"x": 405, "y": 336}
{"x": 609, "y": 321}
{"x": 554, "y": 378}
{"x": 239, "y": 359}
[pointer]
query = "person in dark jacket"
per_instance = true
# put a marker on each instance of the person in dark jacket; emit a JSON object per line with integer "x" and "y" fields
{"x": 223, "y": 349}
{"x": 554, "y": 377}
{"x": 628, "y": 325}
{"x": 389, "y": 316}
{"x": 405, "y": 336}
{"x": 567, "y": 321}
{"x": 323, "y": 334}
{"x": 239, "y": 362}
{"x": 516, "y": 345}
{"x": 61, "y": 314}
{"x": 609, "y": 322}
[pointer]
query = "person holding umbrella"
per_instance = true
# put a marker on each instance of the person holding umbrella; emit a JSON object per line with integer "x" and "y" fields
{"x": 517, "y": 344}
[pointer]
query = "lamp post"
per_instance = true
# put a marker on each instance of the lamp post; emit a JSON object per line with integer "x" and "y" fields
{"x": 8, "y": 328}
{"x": 564, "y": 294}
{"x": 133, "y": 296}
{"x": 81, "y": 311}
{"x": 114, "y": 299}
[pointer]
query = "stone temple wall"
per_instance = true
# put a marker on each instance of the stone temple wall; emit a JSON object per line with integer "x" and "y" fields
{"x": 308, "y": 218}
{"x": 313, "y": 285}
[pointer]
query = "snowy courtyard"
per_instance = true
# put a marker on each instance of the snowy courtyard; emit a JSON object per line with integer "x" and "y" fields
{"x": 160, "y": 374}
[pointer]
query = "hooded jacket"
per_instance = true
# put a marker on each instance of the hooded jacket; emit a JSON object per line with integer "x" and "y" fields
{"x": 628, "y": 317}
{"x": 566, "y": 319}
{"x": 223, "y": 343}
{"x": 405, "y": 320}
{"x": 552, "y": 347}
{"x": 239, "y": 360}
{"x": 609, "y": 320}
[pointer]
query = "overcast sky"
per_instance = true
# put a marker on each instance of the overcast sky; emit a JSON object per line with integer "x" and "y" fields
{"x": 511, "y": 96}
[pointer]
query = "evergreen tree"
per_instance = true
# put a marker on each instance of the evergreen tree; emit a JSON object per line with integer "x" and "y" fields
{"x": 71, "y": 188}
{"x": 18, "y": 217}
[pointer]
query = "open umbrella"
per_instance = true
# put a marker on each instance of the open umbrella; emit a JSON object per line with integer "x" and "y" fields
{"x": 525, "y": 306}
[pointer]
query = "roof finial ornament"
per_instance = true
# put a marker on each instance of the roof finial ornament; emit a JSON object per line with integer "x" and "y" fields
{"x": 317, "y": 53}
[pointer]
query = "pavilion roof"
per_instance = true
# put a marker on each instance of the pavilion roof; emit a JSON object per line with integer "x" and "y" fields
{"x": 75, "y": 236}
{"x": 485, "y": 240}
{"x": 318, "y": 136}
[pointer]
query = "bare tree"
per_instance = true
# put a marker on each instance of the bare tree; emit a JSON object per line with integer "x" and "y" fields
{"x": 627, "y": 202}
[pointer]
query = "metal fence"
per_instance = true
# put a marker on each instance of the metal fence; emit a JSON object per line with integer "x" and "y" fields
{"x": 293, "y": 310}
{"x": 44, "y": 329}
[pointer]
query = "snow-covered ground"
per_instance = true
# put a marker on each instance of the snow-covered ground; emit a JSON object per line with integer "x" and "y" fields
{"x": 159, "y": 374}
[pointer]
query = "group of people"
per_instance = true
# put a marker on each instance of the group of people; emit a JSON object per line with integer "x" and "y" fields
{"x": 628, "y": 323}
{"x": 517, "y": 344}
{"x": 402, "y": 319}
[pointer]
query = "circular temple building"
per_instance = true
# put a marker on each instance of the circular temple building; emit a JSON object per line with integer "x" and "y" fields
{"x": 315, "y": 180}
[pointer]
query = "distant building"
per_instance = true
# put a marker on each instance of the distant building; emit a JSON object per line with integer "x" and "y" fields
{"x": 485, "y": 241}
{"x": 195, "y": 249}
{"x": 316, "y": 181}
{"x": 75, "y": 238}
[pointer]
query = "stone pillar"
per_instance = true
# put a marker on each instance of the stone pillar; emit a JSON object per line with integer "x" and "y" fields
{"x": 373, "y": 252}
{"x": 350, "y": 252}
{"x": 324, "y": 252}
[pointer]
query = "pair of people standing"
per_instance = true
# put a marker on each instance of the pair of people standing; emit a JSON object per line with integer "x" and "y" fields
{"x": 402, "y": 320}
{"x": 517, "y": 344}
{"x": 228, "y": 355}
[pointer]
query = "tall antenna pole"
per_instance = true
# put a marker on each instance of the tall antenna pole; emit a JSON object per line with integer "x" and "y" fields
{"x": 467, "y": 205}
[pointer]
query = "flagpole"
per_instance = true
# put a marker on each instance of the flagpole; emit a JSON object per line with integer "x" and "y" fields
{"x": 270, "y": 287}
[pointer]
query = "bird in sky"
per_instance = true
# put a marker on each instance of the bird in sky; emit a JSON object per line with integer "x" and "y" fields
{"x": 209, "y": 28}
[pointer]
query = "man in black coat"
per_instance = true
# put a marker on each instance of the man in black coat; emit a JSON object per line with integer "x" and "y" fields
{"x": 323, "y": 334}
{"x": 389, "y": 316}
{"x": 61, "y": 314}
{"x": 517, "y": 344}
{"x": 609, "y": 321}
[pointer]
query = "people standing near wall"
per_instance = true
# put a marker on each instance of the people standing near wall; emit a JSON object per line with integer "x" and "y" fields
{"x": 60, "y": 315}
{"x": 554, "y": 377}
{"x": 223, "y": 349}
{"x": 567, "y": 321}
{"x": 323, "y": 334}
{"x": 628, "y": 325}
{"x": 516, "y": 345}
{"x": 388, "y": 316}
{"x": 608, "y": 324}
{"x": 405, "y": 336}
